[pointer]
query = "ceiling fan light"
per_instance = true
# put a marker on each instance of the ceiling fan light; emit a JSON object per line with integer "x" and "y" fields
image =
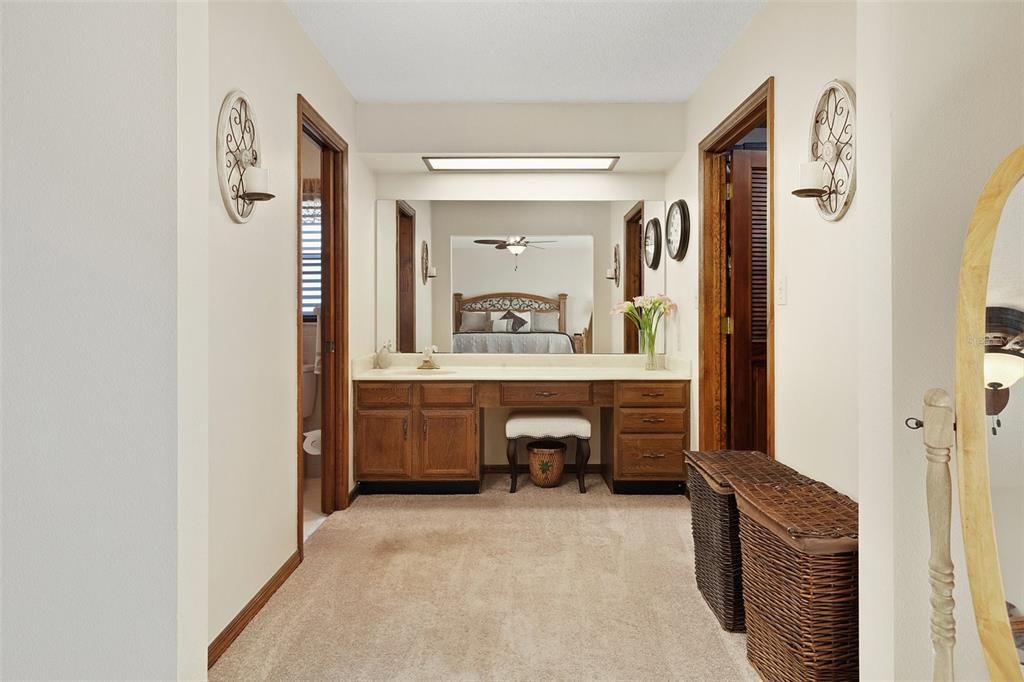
{"x": 1003, "y": 369}
{"x": 516, "y": 249}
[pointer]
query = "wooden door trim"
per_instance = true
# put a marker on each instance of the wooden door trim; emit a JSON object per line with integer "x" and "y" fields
{"x": 335, "y": 479}
{"x": 402, "y": 208}
{"x": 756, "y": 109}
{"x": 636, "y": 213}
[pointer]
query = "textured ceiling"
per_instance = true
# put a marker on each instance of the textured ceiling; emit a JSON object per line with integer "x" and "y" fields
{"x": 523, "y": 51}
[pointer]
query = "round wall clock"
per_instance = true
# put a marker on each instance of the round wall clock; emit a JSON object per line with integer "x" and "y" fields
{"x": 424, "y": 262}
{"x": 677, "y": 230}
{"x": 652, "y": 243}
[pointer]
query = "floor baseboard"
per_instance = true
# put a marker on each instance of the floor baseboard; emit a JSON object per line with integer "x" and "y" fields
{"x": 228, "y": 635}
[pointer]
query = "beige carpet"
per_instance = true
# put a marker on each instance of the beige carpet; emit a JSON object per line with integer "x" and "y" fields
{"x": 540, "y": 585}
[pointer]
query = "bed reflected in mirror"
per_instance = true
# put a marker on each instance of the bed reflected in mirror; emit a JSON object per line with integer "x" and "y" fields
{"x": 522, "y": 277}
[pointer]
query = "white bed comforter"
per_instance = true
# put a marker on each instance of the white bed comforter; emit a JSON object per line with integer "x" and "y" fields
{"x": 507, "y": 342}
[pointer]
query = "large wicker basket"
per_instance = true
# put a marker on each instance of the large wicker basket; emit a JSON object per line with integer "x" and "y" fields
{"x": 716, "y": 524}
{"x": 799, "y": 581}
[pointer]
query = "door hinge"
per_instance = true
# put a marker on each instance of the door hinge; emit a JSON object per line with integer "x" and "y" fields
{"x": 726, "y": 325}
{"x": 329, "y": 347}
{"x": 728, "y": 191}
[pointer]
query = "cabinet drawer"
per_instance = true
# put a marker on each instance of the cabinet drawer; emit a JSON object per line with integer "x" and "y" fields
{"x": 453, "y": 395}
{"x": 653, "y": 420}
{"x": 654, "y": 394}
{"x": 651, "y": 457}
{"x": 546, "y": 393}
{"x": 383, "y": 394}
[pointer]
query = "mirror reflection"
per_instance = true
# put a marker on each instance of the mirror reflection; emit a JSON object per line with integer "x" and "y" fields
{"x": 514, "y": 276}
{"x": 1004, "y": 400}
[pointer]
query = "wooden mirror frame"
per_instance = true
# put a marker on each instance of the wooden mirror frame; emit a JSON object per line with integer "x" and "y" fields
{"x": 976, "y": 515}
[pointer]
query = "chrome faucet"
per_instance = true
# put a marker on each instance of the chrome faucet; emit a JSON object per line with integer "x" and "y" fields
{"x": 428, "y": 359}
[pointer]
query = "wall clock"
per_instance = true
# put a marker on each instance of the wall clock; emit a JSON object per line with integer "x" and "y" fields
{"x": 424, "y": 262}
{"x": 652, "y": 243}
{"x": 677, "y": 230}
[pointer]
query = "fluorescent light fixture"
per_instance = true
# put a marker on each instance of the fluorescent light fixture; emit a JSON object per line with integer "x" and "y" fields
{"x": 519, "y": 164}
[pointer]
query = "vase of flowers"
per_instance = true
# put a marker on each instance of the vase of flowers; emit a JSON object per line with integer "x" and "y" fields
{"x": 646, "y": 313}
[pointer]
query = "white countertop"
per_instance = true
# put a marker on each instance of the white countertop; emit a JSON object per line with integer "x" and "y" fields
{"x": 517, "y": 368}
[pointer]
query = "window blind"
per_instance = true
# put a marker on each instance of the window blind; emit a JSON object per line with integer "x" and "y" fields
{"x": 312, "y": 253}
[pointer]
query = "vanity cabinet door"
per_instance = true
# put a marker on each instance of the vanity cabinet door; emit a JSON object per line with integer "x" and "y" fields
{"x": 383, "y": 444}
{"x": 448, "y": 445}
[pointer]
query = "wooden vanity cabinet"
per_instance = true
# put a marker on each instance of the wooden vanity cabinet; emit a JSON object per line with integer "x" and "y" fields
{"x": 423, "y": 431}
{"x": 383, "y": 447}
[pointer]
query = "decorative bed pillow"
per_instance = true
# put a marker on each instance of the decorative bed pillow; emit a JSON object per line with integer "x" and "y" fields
{"x": 473, "y": 322}
{"x": 544, "y": 322}
{"x": 499, "y": 323}
{"x": 517, "y": 322}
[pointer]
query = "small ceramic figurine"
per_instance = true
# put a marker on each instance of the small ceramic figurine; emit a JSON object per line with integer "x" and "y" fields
{"x": 382, "y": 360}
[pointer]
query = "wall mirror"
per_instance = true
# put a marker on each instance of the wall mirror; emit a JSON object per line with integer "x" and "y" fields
{"x": 512, "y": 276}
{"x": 990, "y": 415}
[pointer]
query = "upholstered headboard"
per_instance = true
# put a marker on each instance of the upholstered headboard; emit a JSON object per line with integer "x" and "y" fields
{"x": 508, "y": 300}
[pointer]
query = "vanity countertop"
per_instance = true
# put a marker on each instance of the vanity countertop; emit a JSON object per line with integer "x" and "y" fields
{"x": 504, "y": 370}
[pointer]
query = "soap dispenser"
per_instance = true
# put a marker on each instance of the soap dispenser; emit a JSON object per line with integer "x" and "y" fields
{"x": 382, "y": 360}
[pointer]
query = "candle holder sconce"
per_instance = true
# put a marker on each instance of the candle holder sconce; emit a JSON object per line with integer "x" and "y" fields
{"x": 243, "y": 181}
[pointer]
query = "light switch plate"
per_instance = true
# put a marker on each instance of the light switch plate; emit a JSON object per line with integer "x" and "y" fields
{"x": 781, "y": 291}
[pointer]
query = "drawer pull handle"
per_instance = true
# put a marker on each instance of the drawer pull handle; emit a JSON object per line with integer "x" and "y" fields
{"x": 657, "y": 394}
{"x": 405, "y": 428}
{"x": 545, "y": 394}
{"x": 653, "y": 420}
{"x": 654, "y": 455}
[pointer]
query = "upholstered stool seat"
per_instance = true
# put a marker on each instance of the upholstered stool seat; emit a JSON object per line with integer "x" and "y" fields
{"x": 549, "y": 424}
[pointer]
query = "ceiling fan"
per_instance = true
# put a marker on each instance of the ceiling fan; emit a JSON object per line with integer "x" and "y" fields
{"x": 514, "y": 244}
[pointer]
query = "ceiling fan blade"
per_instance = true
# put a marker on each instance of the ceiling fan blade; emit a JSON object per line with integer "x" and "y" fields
{"x": 542, "y": 241}
{"x": 501, "y": 245}
{"x": 488, "y": 241}
{"x": 533, "y": 246}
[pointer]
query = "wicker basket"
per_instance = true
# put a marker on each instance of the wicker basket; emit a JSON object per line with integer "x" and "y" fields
{"x": 799, "y": 547}
{"x": 716, "y": 524}
{"x": 547, "y": 462}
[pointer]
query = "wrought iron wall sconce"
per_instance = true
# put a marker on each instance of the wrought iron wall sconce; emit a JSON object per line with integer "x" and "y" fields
{"x": 830, "y": 176}
{"x": 243, "y": 181}
{"x": 427, "y": 271}
{"x": 614, "y": 272}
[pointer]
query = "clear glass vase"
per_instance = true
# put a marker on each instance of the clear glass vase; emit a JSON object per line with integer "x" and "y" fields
{"x": 647, "y": 348}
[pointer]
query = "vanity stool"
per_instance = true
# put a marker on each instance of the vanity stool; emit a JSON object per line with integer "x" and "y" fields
{"x": 561, "y": 424}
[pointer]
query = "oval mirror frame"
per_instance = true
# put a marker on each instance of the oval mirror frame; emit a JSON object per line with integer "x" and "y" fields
{"x": 976, "y": 517}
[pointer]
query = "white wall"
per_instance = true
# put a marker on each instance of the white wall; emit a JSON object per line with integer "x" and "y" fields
{"x": 502, "y": 218}
{"x": 520, "y": 186}
{"x": 89, "y": 339}
{"x": 194, "y": 123}
{"x": 566, "y": 268}
{"x": 252, "y": 341}
{"x": 813, "y": 400}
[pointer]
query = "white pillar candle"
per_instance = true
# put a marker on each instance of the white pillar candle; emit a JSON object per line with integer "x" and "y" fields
{"x": 431, "y": 271}
{"x": 812, "y": 175}
{"x": 256, "y": 180}
{"x": 609, "y": 273}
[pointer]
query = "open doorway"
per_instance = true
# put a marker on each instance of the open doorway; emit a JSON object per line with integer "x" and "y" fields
{"x": 633, "y": 270}
{"x": 736, "y": 282}
{"x": 405, "y": 238}
{"x": 322, "y": 321}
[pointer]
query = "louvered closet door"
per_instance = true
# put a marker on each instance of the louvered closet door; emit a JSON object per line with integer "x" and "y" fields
{"x": 748, "y": 286}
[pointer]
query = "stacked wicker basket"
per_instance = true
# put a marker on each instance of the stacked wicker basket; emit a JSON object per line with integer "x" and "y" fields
{"x": 776, "y": 553}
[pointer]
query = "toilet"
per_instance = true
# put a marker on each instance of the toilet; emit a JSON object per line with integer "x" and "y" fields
{"x": 311, "y": 441}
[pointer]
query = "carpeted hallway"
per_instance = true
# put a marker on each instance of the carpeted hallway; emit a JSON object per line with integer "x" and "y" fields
{"x": 543, "y": 584}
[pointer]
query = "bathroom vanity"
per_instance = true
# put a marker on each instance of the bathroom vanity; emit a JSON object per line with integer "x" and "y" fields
{"x": 426, "y": 426}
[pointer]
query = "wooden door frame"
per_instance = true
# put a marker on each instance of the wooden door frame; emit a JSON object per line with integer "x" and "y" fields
{"x": 335, "y": 476}
{"x": 637, "y": 259}
{"x": 758, "y": 109}
{"x": 402, "y": 208}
